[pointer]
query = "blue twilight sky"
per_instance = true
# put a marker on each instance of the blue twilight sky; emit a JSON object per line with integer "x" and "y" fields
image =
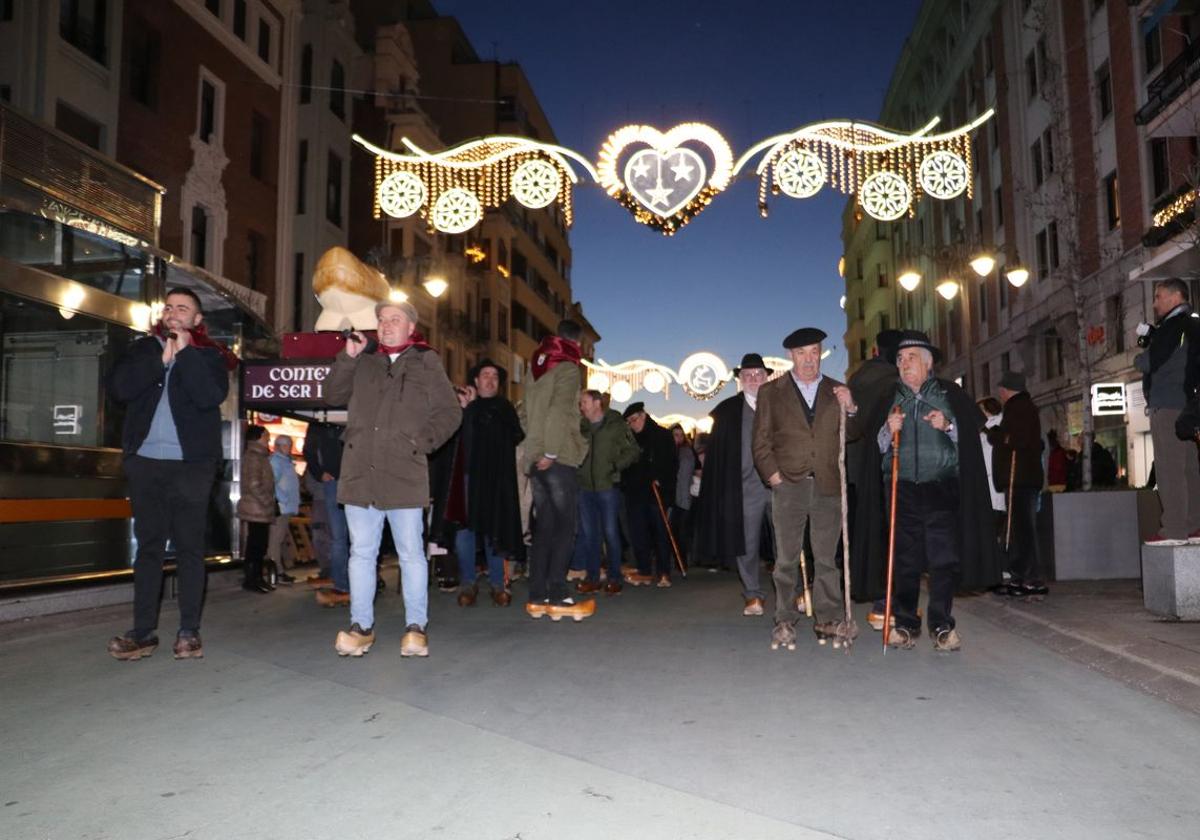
{"x": 730, "y": 282}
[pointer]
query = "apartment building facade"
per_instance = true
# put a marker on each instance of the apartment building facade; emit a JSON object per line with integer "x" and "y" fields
{"x": 1065, "y": 185}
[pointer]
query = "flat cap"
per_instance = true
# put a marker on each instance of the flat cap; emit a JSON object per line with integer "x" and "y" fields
{"x": 804, "y": 337}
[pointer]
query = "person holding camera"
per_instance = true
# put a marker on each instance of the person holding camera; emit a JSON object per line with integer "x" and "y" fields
{"x": 1169, "y": 381}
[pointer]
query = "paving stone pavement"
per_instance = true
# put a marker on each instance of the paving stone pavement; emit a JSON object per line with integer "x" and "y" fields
{"x": 664, "y": 716}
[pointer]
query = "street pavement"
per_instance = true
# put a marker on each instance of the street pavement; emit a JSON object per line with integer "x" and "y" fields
{"x": 664, "y": 716}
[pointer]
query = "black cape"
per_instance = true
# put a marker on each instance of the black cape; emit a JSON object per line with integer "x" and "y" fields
{"x": 484, "y": 449}
{"x": 720, "y": 529}
{"x": 873, "y": 382}
{"x": 981, "y": 562}
{"x": 658, "y": 461}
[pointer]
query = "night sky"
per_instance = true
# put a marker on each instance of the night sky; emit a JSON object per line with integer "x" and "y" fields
{"x": 730, "y": 282}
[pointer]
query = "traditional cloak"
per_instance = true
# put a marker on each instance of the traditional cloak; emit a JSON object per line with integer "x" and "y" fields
{"x": 980, "y": 560}
{"x": 720, "y": 530}
{"x": 486, "y": 453}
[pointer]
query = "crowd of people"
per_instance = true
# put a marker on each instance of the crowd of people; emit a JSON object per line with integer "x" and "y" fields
{"x": 925, "y": 479}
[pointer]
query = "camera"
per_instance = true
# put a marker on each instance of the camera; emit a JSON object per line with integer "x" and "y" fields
{"x": 1145, "y": 332}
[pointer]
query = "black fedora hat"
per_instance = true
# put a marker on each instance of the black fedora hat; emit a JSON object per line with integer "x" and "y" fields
{"x": 913, "y": 338}
{"x": 750, "y": 361}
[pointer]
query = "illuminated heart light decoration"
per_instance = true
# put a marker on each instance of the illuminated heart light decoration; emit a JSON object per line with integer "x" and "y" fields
{"x": 665, "y": 183}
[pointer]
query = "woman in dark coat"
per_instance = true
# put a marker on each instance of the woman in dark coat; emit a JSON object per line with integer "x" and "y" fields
{"x": 256, "y": 507}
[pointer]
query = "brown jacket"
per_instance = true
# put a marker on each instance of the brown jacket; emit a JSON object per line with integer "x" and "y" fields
{"x": 399, "y": 412}
{"x": 257, "y": 502}
{"x": 784, "y": 442}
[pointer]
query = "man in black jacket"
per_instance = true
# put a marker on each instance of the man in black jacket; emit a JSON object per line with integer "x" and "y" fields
{"x": 173, "y": 384}
{"x": 655, "y": 469}
{"x": 1017, "y": 463}
{"x": 1169, "y": 380}
{"x": 323, "y": 452}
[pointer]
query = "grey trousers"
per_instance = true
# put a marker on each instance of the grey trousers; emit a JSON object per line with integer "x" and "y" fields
{"x": 280, "y": 543}
{"x": 793, "y": 507}
{"x": 754, "y": 507}
{"x": 1178, "y": 475}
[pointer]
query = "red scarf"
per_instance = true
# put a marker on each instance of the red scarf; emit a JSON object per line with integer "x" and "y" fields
{"x": 200, "y": 339}
{"x": 414, "y": 340}
{"x": 551, "y": 351}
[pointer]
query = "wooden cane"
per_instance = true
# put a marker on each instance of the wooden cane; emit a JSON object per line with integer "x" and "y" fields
{"x": 1012, "y": 477}
{"x": 804, "y": 577}
{"x": 667, "y": 524}
{"x": 887, "y": 603}
{"x": 849, "y": 631}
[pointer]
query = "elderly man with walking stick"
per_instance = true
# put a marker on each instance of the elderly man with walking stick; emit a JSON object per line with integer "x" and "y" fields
{"x": 797, "y": 452}
{"x": 928, "y": 449}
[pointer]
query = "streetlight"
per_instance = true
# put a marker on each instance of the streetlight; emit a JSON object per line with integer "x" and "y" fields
{"x": 1017, "y": 275}
{"x": 948, "y": 289}
{"x": 909, "y": 280}
{"x": 436, "y": 286}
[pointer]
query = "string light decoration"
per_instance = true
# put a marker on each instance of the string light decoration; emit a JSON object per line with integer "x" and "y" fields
{"x": 452, "y": 187}
{"x": 852, "y": 156}
{"x": 666, "y": 183}
{"x": 1176, "y": 208}
{"x": 637, "y": 374}
{"x": 701, "y": 376}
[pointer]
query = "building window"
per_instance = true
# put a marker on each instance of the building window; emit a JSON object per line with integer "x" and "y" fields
{"x": 858, "y": 266}
{"x": 84, "y": 129}
{"x": 1002, "y": 290}
{"x": 213, "y": 6}
{"x": 994, "y": 134}
{"x": 1043, "y": 257}
{"x": 208, "y": 123}
{"x": 333, "y": 190}
{"x": 260, "y": 143}
{"x": 144, "y": 48}
{"x": 264, "y": 40}
{"x": 199, "y": 237}
{"x": 985, "y": 378}
{"x": 1097, "y": 5}
{"x": 502, "y": 324}
{"x": 862, "y": 310}
{"x": 1115, "y": 316}
{"x": 298, "y": 292}
{"x": 337, "y": 90}
{"x": 999, "y": 199}
{"x": 1005, "y": 362}
{"x": 1048, "y": 150}
{"x": 1160, "y": 173}
{"x": 1031, "y": 74}
{"x": 1104, "y": 103}
{"x": 254, "y": 258}
{"x": 989, "y": 63}
{"x": 979, "y": 223}
{"x": 881, "y": 276}
{"x": 1052, "y": 243}
{"x": 1035, "y": 155}
{"x": 239, "y": 19}
{"x": 1112, "y": 201}
{"x": 1054, "y": 356}
{"x": 302, "y": 179}
{"x": 306, "y": 68}
{"x": 84, "y": 25}
{"x": 1152, "y": 48}
{"x": 983, "y": 301}
{"x": 485, "y": 319}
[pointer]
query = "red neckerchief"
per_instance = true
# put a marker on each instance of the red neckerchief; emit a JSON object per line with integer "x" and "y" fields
{"x": 414, "y": 340}
{"x": 553, "y": 350}
{"x": 200, "y": 339}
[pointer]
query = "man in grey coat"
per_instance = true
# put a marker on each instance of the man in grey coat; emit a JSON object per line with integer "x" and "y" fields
{"x": 401, "y": 408}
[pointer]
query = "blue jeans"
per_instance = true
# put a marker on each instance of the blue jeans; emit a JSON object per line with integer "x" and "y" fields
{"x": 366, "y": 532}
{"x": 599, "y": 520}
{"x": 339, "y": 538}
{"x": 464, "y": 548}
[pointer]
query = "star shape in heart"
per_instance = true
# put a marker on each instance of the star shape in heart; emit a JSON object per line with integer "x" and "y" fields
{"x": 660, "y": 194}
{"x": 641, "y": 169}
{"x": 682, "y": 169}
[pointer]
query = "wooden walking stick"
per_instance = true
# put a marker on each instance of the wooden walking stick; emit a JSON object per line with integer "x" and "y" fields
{"x": 887, "y": 603}
{"x": 804, "y": 577}
{"x": 848, "y": 631}
{"x": 667, "y": 524}
{"x": 1012, "y": 477}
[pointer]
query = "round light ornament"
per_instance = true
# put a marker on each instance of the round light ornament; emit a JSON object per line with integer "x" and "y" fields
{"x": 654, "y": 382}
{"x": 457, "y": 211}
{"x": 536, "y": 184}
{"x": 598, "y": 382}
{"x": 800, "y": 173}
{"x": 885, "y": 196}
{"x": 621, "y": 391}
{"x": 943, "y": 175}
{"x": 401, "y": 194}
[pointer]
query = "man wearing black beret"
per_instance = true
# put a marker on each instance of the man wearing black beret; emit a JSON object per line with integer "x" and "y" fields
{"x": 796, "y": 451}
{"x": 656, "y": 466}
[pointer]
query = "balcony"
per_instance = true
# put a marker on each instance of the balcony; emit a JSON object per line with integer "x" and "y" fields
{"x": 1168, "y": 111}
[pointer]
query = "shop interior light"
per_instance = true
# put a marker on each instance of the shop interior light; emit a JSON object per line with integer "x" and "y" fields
{"x": 1017, "y": 276}
{"x": 909, "y": 280}
{"x": 983, "y": 264}
{"x": 436, "y": 286}
{"x": 71, "y": 301}
{"x": 948, "y": 289}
